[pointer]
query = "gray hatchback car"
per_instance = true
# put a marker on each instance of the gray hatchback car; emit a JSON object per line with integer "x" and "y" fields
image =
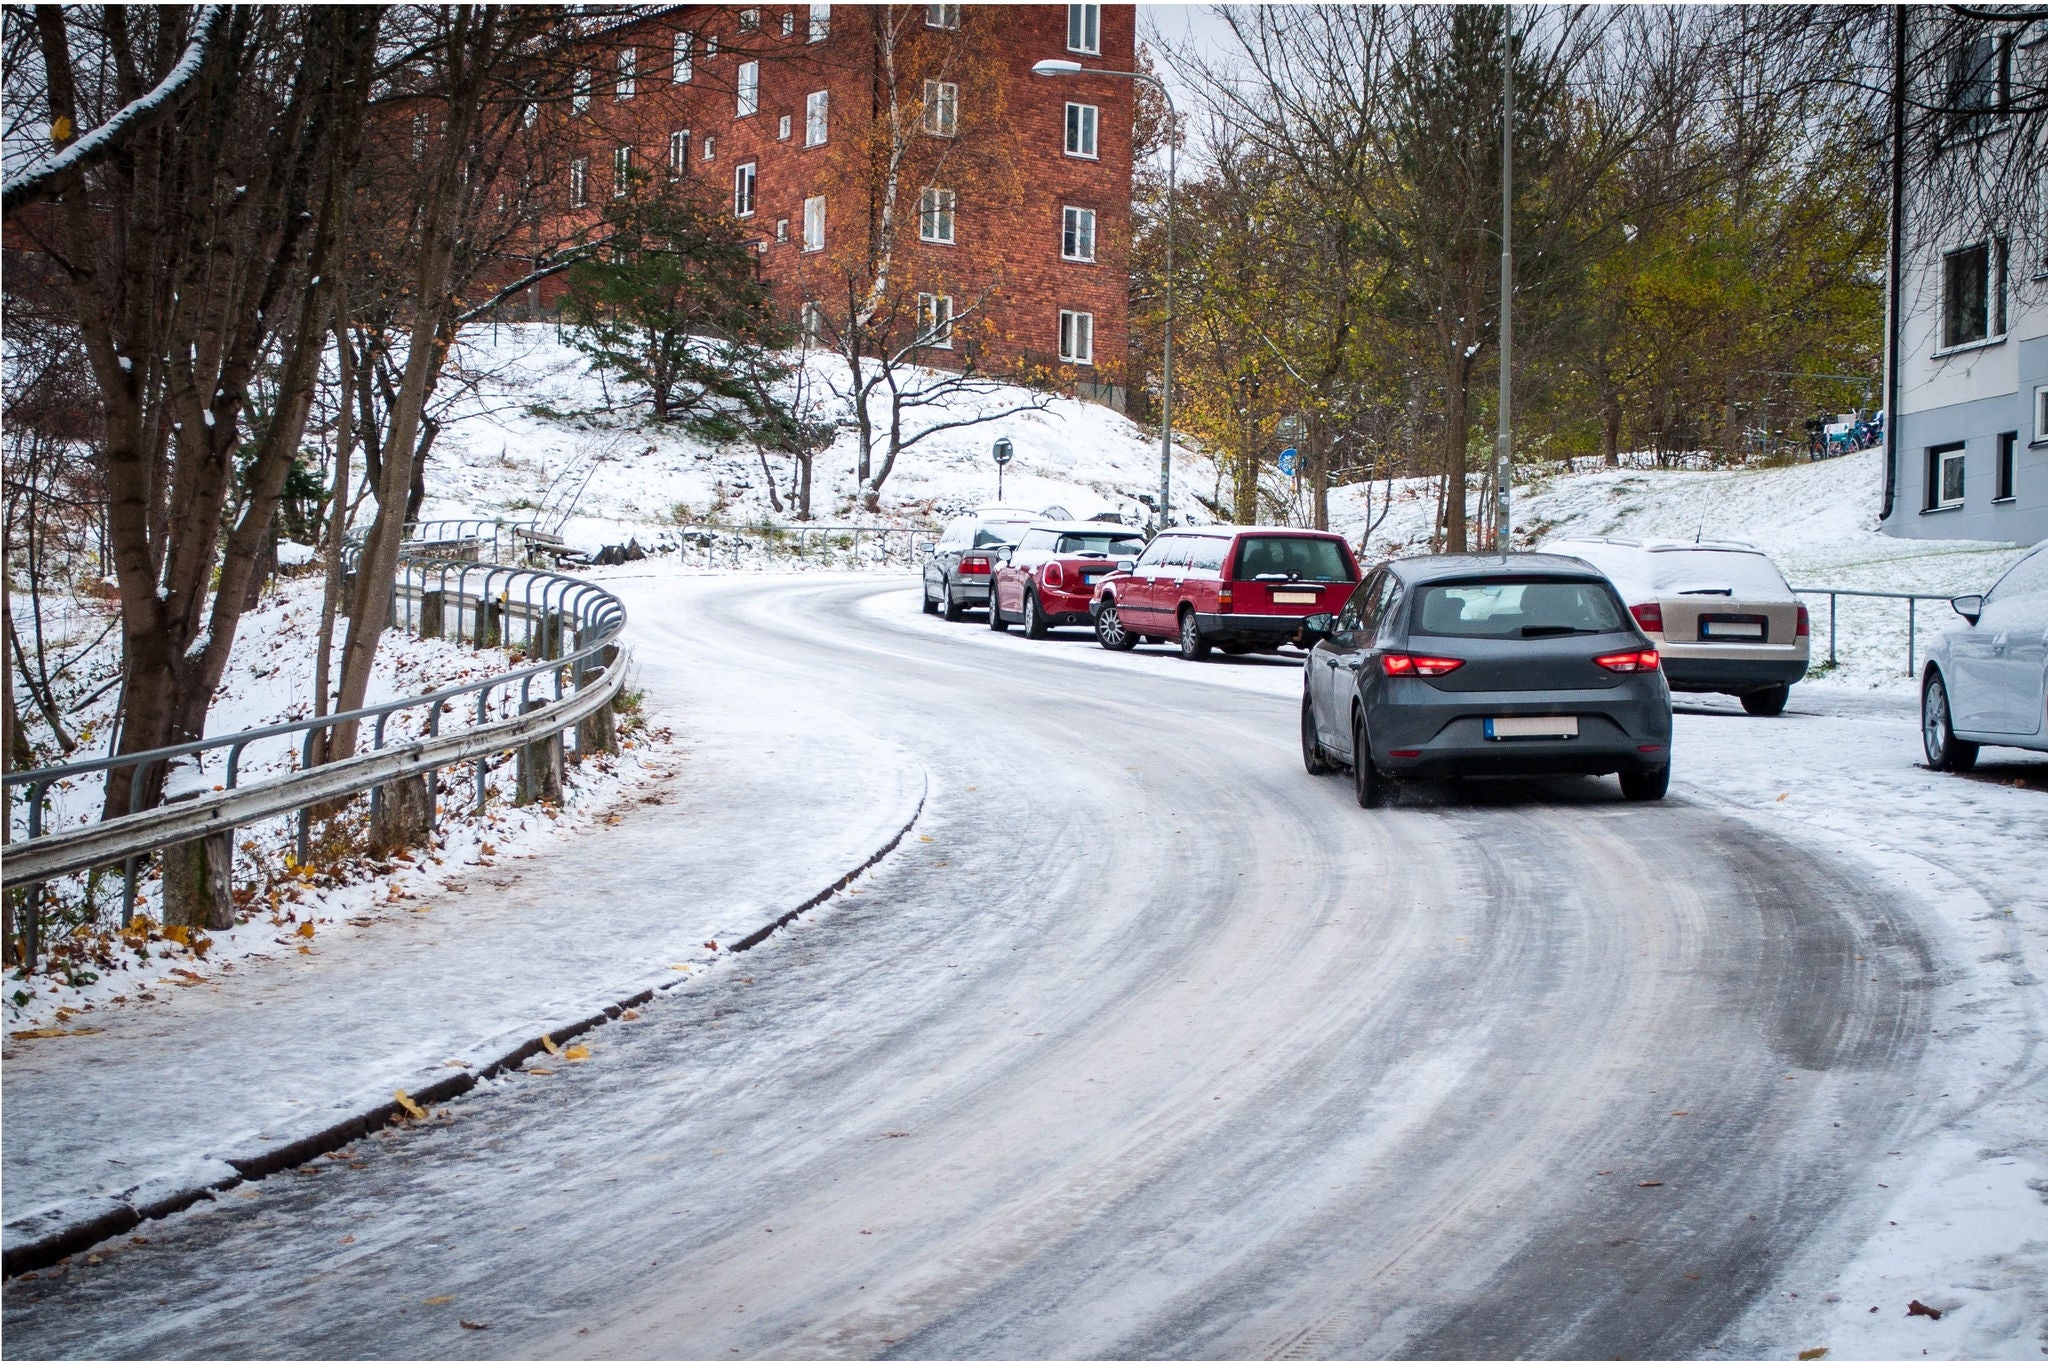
{"x": 1523, "y": 664}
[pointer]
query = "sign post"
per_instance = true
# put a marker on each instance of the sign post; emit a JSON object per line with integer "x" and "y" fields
{"x": 1003, "y": 452}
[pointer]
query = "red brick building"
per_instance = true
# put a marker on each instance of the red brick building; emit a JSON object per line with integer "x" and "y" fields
{"x": 906, "y": 144}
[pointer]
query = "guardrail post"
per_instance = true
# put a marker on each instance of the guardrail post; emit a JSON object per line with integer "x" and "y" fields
{"x": 1831, "y": 627}
{"x": 433, "y": 614}
{"x": 540, "y": 765}
{"x": 490, "y": 621}
{"x": 598, "y": 730}
{"x": 402, "y": 815}
{"x": 1912, "y": 619}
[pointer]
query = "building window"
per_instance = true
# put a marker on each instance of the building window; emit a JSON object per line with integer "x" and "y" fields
{"x": 1081, "y": 119}
{"x": 622, "y": 170}
{"x": 942, "y": 16}
{"x": 782, "y": 229}
{"x": 821, "y": 23}
{"x": 750, "y": 20}
{"x": 788, "y": 22}
{"x": 683, "y": 67}
{"x": 579, "y": 92}
{"x": 1077, "y": 234}
{"x": 679, "y": 151}
{"x": 2008, "y": 447}
{"x": 1979, "y": 84}
{"x": 743, "y": 180}
{"x": 813, "y": 322}
{"x": 1944, "y": 476}
{"x": 578, "y": 193}
{"x": 710, "y": 147}
{"x": 935, "y": 321}
{"x": 710, "y": 46}
{"x": 419, "y": 136}
{"x": 782, "y": 128}
{"x": 2041, "y": 414}
{"x": 941, "y": 107}
{"x": 747, "y": 101}
{"x": 628, "y": 60}
{"x": 935, "y": 216}
{"x": 1077, "y": 337}
{"x": 814, "y": 223}
{"x": 1084, "y": 29}
{"x": 1973, "y": 293}
{"x": 817, "y": 112}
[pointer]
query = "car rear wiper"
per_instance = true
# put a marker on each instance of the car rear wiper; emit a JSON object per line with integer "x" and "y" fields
{"x": 1553, "y": 630}
{"x": 1278, "y": 576}
{"x": 1710, "y": 590}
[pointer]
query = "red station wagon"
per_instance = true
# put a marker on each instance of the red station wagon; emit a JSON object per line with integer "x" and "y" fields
{"x": 1239, "y": 588}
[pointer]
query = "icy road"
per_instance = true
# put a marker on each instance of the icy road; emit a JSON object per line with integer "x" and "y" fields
{"x": 1146, "y": 1044}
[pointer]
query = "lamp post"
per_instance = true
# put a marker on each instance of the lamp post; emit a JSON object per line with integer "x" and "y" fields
{"x": 1054, "y": 66}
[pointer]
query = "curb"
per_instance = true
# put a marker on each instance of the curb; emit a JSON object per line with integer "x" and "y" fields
{"x": 121, "y": 1215}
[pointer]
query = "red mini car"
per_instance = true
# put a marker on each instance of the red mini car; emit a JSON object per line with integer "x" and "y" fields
{"x": 1236, "y": 587}
{"x": 1048, "y": 579}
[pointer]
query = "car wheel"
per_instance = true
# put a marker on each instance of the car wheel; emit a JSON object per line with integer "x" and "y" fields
{"x": 1374, "y": 790}
{"x": 1034, "y": 618}
{"x": 1945, "y": 751}
{"x": 1766, "y": 703}
{"x": 1110, "y": 630}
{"x": 953, "y": 609}
{"x": 1312, "y": 750}
{"x": 931, "y": 606}
{"x": 1193, "y": 646}
{"x": 996, "y": 622}
{"x": 1644, "y": 785}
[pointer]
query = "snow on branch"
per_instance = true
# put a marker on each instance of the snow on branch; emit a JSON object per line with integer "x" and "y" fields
{"x": 53, "y": 177}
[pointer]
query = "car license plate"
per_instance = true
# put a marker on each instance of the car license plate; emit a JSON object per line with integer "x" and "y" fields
{"x": 1498, "y": 729}
{"x": 1295, "y": 597}
{"x": 1090, "y": 578}
{"x": 1728, "y": 628}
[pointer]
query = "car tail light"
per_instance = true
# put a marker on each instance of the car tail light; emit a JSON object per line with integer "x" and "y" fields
{"x": 973, "y": 567}
{"x": 1055, "y": 577}
{"x": 1225, "y": 601}
{"x": 1805, "y": 623}
{"x": 1649, "y": 618}
{"x": 1408, "y": 664}
{"x": 1645, "y": 660}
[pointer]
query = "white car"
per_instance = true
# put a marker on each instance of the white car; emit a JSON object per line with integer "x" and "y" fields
{"x": 1719, "y": 612}
{"x": 1986, "y": 680}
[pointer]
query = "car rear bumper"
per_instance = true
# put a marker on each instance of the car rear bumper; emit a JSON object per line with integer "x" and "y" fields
{"x": 968, "y": 591}
{"x": 1265, "y": 630}
{"x": 1732, "y": 674}
{"x": 1628, "y": 728}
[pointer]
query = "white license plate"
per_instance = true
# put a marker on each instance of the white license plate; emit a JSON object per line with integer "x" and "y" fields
{"x": 1499, "y": 728}
{"x": 1724, "y": 628}
{"x": 1295, "y": 597}
{"x": 1090, "y": 578}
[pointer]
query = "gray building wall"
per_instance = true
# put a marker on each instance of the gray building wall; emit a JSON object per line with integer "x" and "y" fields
{"x": 1977, "y": 424}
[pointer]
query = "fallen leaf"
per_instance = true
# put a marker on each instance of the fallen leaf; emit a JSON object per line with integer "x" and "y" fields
{"x": 412, "y": 1107}
{"x": 576, "y": 1053}
{"x": 1649, "y": 1183}
{"x": 549, "y": 1045}
{"x": 1782, "y": 797}
{"x": 539, "y": 1072}
{"x": 629, "y": 1015}
{"x": 438, "y": 1299}
{"x": 1813, "y": 1354}
{"x": 306, "y": 929}
{"x": 473, "y": 1327}
{"x": 1678, "y": 1113}
{"x": 1922, "y": 1310}
{"x": 924, "y": 838}
{"x": 51, "y": 1032}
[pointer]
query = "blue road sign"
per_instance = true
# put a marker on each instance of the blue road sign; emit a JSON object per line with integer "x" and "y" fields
{"x": 1290, "y": 460}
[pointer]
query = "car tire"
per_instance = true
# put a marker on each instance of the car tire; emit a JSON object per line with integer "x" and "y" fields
{"x": 931, "y": 606}
{"x": 1766, "y": 703}
{"x": 1373, "y": 789}
{"x": 1193, "y": 646}
{"x": 1110, "y": 630}
{"x": 1312, "y": 757}
{"x": 951, "y": 608}
{"x": 1034, "y": 617}
{"x": 1642, "y": 786}
{"x": 1945, "y": 751}
{"x": 996, "y": 622}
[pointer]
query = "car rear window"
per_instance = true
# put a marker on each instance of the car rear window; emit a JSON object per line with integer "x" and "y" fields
{"x": 1517, "y": 609}
{"x": 1291, "y": 558}
{"x": 1710, "y": 571}
{"x": 1107, "y": 543}
{"x": 997, "y": 533}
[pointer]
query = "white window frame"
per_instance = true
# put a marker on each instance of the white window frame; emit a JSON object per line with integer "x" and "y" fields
{"x": 2041, "y": 414}
{"x": 1996, "y": 295}
{"x": 1077, "y": 234}
{"x": 629, "y": 59}
{"x": 941, "y": 108}
{"x": 788, "y": 22}
{"x": 746, "y": 90}
{"x": 579, "y": 182}
{"x": 814, "y": 223}
{"x": 683, "y": 66}
{"x": 1083, "y": 131}
{"x": 746, "y": 188}
{"x": 529, "y": 114}
{"x": 813, "y": 322}
{"x": 817, "y": 117}
{"x": 710, "y": 46}
{"x": 710, "y": 148}
{"x": 750, "y": 20}
{"x": 821, "y": 23}
{"x": 782, "y": 229}
{"x": 946, "y": 17}
{"x": 679, "y": 151}
{"x": 1077, "y": 337}
{"x": 622, "y": 168}
{"x": 1939, "y": 460}
{"x": 1084, "y": 29}
{"x": 935, "y": 215}
{"x": 935, "y": 321}
{"x": 579, "y": 91}
{"x": 782, "y": 128}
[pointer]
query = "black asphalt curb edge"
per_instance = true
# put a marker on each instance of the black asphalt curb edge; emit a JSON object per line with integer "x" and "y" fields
{"x": 123, "y": 1216}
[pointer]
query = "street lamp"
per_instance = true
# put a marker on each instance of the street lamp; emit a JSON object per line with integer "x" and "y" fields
{"x": 1054, "y": 66}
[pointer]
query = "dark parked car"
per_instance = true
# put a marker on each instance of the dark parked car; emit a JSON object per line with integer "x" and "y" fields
{"x": 1986, "y": 682}
{"x": 1524, "y": 664}
{"x": 1229, "y": 586}
{"x": 1045, "y": 582}
{"x": 957, "y": 575}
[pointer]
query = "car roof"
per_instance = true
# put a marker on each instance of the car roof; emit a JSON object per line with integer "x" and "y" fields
{"x": 1233, "y": 531}
{"x": 1084, "y": 527}
{"x": 1456, "y": 566}
{"x": 1664, "y": 545}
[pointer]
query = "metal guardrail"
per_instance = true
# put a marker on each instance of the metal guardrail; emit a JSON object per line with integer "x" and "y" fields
{"x": 805, "y": 542}
{"x": 1911, "y": 598}
{"x": 573, "y": 625}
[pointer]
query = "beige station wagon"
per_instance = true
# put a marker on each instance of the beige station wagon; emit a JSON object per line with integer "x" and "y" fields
{"x": 1719, "y": 612}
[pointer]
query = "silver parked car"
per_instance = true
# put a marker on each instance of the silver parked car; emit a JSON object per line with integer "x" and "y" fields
{"x": 1986, "y": 680}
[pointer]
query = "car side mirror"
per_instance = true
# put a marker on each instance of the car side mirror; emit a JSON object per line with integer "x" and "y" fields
{"x": 1126, "y": 564}
{"x": 1317, "y": 627}
{"x": 928, "y": 548}
{"x": 1968, "y": 606}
